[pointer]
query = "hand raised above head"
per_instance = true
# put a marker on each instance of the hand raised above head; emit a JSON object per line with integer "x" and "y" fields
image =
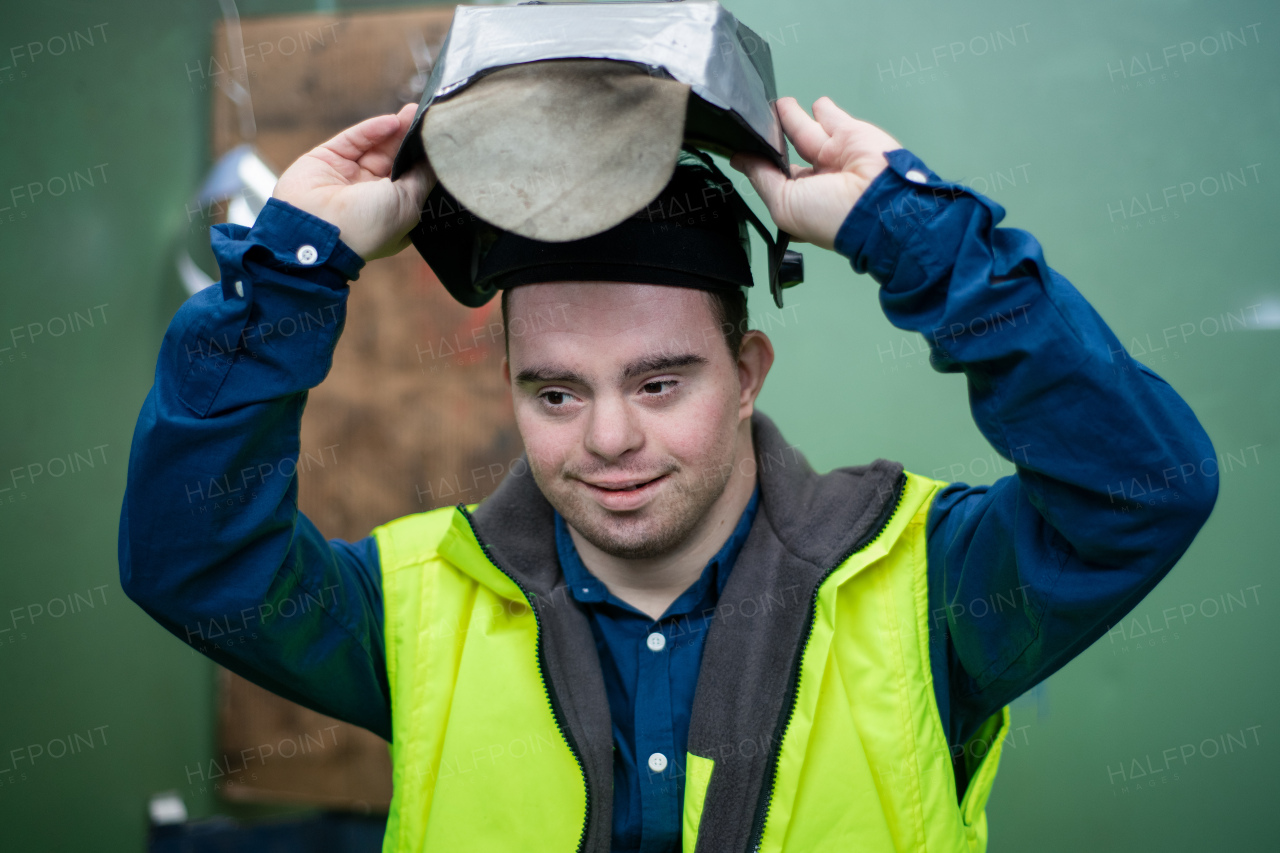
{"x": 846, "y": 156}
{"x": 346, "y": 182}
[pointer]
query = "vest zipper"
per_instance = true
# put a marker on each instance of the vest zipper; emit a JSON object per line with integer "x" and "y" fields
{"x": 556, "y": 712}
{"x": 793, "y": 692}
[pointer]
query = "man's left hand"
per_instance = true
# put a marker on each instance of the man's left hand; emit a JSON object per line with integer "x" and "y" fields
{"x": 847, "y": 155}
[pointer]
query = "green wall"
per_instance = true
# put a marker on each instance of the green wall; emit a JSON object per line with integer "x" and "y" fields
{"x": 1042, "y": 104}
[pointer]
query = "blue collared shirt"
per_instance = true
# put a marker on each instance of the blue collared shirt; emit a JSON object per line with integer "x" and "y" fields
{"x": 650, "y": 673}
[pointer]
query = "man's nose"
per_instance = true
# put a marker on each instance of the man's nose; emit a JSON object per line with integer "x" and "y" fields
{"x": 612, "y": 431}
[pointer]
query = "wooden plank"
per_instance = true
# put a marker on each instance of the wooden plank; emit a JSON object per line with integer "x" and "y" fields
{"x": 310, "y": 76}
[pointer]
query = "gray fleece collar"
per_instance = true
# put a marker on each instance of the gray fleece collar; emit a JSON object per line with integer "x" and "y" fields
{"x": 807, "y": 524}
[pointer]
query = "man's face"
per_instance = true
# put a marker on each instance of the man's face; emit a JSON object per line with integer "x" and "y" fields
{"x": 629, "y": 404}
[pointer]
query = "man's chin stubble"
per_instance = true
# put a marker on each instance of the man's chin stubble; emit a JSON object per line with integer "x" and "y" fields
{"x": 664, "y": 542}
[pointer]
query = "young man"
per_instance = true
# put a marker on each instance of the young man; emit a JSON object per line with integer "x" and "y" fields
{"x": 673, "y": 634}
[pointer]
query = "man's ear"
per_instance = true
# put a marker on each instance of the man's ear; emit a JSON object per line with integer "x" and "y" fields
{"x": 754, "y": 360}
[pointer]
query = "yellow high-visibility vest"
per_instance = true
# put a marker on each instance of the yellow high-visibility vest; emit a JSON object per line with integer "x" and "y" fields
{"x": 482, "y": 763}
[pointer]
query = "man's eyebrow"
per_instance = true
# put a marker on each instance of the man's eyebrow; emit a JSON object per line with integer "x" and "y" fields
{"x": 658, "y": 363}
{"x": 532, "y": 375}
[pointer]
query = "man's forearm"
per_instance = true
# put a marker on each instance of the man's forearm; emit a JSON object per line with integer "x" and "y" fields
{"x": 1050, "y": 385}
{"x": 1068, "y": 539}
{"x": 211, "y": 542}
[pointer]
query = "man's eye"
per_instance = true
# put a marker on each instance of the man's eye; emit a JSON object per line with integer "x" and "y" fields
{"x": 555, "y": 398}
{"x": 657, "y": 387}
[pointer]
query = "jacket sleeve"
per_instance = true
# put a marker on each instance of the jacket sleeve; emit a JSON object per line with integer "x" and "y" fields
{"x": 211, "y": 541}
{"x": 1114, "y": 475}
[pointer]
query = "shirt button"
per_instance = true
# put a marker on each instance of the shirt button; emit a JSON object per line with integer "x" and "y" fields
{"x": 240, "y": 289}
{"x": 918, "y": 176}
{"x": 656, "y": 642}
{"x": 307, "y": 255}
{"x": 657, "y": 762}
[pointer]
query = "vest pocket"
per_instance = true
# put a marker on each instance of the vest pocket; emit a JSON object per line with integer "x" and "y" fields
{"x": 697, "y": 777}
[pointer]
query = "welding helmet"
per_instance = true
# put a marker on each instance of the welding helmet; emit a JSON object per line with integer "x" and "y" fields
{"x": 570, "y": 142}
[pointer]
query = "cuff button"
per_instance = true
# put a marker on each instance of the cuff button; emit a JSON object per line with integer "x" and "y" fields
{"x": 307, "y": 255}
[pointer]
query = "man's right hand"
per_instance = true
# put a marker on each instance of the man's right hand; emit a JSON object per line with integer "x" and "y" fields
{"x": 346, "y": 183}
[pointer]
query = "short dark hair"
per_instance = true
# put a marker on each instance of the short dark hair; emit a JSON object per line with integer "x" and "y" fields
{"x": 729, "y": 307}
{"x": 730, "y": 310}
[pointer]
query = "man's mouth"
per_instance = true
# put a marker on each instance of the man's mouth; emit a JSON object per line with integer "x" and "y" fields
{"x": 624, "y": 485}
{"x": 623, "y": 495}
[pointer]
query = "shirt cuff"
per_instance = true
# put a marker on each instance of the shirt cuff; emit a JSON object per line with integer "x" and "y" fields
{"x": 905, "y": 225}
{"x": 294, "y": 242}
